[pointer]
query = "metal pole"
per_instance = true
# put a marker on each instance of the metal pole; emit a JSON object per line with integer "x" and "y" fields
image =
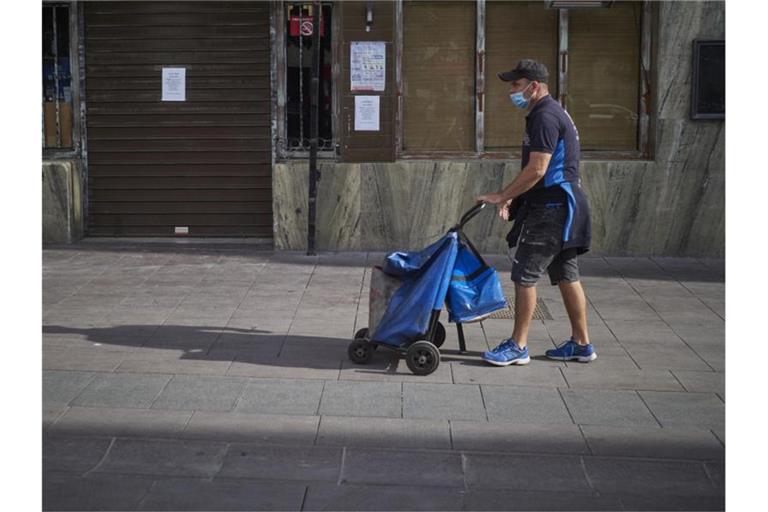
{"x": 56, "y": 76}
{"x": 314, "y": 174}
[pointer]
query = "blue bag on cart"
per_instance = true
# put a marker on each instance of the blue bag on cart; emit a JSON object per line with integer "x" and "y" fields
{"x": 475, "y": 291}
{"x": 425, "y": 276}
{"x": 449, "y": 272}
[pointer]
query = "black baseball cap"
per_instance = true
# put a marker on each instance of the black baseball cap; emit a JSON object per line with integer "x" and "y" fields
{"x": 527, "y": 68}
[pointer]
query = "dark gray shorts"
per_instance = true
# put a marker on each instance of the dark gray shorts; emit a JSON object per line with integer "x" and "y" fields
{"x": 540, "y": 248}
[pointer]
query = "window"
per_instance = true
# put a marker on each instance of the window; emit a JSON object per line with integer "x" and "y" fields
{"x": 438, "y": 76}
{"x": 504, "y": 124}
{"x": 596, "y": 53}
{"x": 604, "y": 76}
{"x": 57, "y": 78}
{"x": 298, "y": 76}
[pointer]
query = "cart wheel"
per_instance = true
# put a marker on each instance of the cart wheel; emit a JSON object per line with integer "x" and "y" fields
{"x": 362, "y": 334}
{"x": 439, "y": 335}
{"x": 422, "y": 358}
{"x": 360, "y": 352}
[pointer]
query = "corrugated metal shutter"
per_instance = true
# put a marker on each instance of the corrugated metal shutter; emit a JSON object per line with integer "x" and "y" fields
{"x": 204, "y": 163}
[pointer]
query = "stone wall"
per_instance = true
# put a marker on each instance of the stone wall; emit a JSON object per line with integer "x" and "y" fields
{"x": 62, "y": 204}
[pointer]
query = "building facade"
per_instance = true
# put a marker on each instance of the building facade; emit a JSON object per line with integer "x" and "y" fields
{"x": 192, "y": 119}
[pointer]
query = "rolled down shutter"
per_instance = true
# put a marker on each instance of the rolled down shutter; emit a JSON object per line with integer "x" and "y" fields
{"x": 203, "y": 164}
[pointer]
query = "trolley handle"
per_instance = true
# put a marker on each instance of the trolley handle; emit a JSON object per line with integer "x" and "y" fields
{"x": 468, "y": 215}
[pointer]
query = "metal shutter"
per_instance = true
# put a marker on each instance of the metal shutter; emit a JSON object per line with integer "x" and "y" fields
{"x": 204, "y": 163}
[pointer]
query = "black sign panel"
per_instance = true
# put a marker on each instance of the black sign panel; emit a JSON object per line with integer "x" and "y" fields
{"x": 708, "y": 83}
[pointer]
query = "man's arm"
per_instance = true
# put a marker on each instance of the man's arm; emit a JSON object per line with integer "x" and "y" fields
{"x": 528, "y": 177}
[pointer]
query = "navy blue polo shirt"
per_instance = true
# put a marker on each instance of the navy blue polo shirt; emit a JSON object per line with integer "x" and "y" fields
{"x": 549, "y": 129}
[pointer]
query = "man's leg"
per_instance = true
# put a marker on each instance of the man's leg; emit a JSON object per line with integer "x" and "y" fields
{"x": 576, "y": 306}
{"x": 525, "y": 304}
{"x": 564, "y": 271}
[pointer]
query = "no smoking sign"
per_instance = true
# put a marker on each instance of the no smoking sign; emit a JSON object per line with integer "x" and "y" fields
{"x": 305, "y": 26}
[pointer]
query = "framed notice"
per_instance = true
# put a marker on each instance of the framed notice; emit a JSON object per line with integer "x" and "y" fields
{"x": 367, "y": 66}
{"x": 708, "y": 81}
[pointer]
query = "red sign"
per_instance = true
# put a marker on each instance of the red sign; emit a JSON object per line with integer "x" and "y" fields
{"x": 305, "y": 24}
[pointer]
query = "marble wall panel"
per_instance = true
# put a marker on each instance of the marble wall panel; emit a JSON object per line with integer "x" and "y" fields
{"x": 337, "y": 215}
{"x": 680, "y": 23}
{"x": 61, "y": 202}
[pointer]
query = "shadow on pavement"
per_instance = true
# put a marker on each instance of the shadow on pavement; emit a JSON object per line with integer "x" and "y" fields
{"x": 211, "y": 343}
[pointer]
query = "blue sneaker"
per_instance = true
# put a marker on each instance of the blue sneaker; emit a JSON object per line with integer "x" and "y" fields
{"x": 507, "y": 353}
{"x": 570, "y": 350}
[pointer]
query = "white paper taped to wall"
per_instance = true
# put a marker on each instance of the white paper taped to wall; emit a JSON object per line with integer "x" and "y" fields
{"x": 367, "y": 113}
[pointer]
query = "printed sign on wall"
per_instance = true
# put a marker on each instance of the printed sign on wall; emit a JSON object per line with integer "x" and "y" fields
{"x": 174, "y": 84}
{"x": 366, "y": 113}
{"x": 367, "y": 66}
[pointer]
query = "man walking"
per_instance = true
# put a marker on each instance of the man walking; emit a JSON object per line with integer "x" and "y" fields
{"x": 551, "y": 217}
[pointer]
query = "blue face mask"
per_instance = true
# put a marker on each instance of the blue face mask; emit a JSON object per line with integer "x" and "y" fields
{"x": 519, "y": 100}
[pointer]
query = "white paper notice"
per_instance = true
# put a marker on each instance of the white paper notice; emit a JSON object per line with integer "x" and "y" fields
{"x": 174, "y": 84}
{"x": 367, "y": 113}
{"x": 368, "y": 64}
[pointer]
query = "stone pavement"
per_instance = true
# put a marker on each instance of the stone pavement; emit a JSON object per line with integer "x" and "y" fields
{"x": 215, "y": 377}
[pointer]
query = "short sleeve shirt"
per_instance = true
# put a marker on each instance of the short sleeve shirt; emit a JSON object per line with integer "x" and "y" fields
{"x": 549, "y": 129}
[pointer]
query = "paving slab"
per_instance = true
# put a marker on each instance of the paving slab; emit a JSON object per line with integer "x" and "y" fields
{"x": 533, "y": 374}
{"x": 628, "y": 308}
{"x": 666, "y": 355}
{"x": 711, "y": 332}
{"x": 51, "y": 413}
{"x": 525, "y": 404}
{"x": 702, "y": 382}
{"x": 679, "y": 409}
{"x": 164, "y": 457}
{"x": 393, "y": 433}
{"x": 607, "y": 407}
{"x": 137, "y": 390}
{"x": 443, "y": 401}
{"x": 262, "y": 428}
{"x": 716, "y": 472}
{"x": 671, "y": 502}
{"x": 186, "y": 363}
{"x": 94, "y": 360}
{"x": 200, "y": 393}
{"x": 485, "y": 499}
{"x": 648, "y": 476}
{"x": 629, "y": 331}
{"x": 653, "y": 443}
{"x": 60, "y": 387}
{"x": 354, "y": 497}
{"x": 282, "y": 463}
{"x": 608, "y": 363}
{"x": 64, "y": 341}
{"x": 222, "y": 494}
{"x": 423, "y": 468}
{"x": 108, "y": 421}
{"x": 587, "y": 377}
{"x": 388, "y": 367}
{"x": 525, "y": 472}
{"x": 299, "y": 367}
{"x": 237, "y": 341}
{"x": 93, "y": 492}
{"x": 73, "y": 454}
{"x": 345, "y": 398}
{"x": 713, "y": 355}
{"x": 281, "y": 396}
{"x": 517, "y": 437}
